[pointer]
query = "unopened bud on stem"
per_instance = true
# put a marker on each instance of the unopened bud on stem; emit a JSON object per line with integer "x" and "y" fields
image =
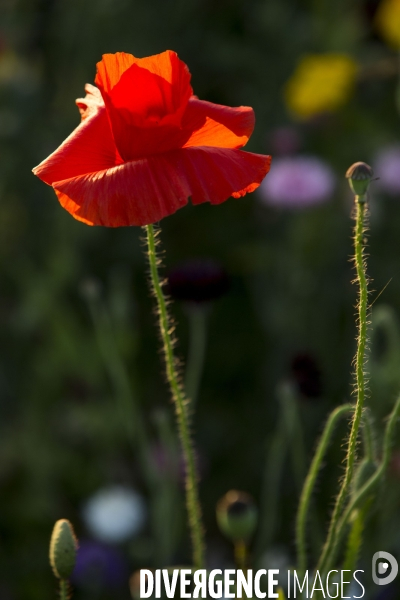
{"x": 237, "y": 516}
{"x": 360, "y": 176}
{"x": 63, "y": 547}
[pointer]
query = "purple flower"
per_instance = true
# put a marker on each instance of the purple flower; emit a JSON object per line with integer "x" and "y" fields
{"x": 297, "y": 182}
{"x": 99, "y": 566}
{"x": 387, "y": 168}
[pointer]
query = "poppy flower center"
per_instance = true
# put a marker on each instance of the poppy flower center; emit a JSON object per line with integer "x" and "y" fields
{"x": 142, "y": 97}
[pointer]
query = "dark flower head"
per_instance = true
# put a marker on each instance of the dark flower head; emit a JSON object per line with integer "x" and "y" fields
{"x": 198, "y": 280}
{"x": 307, "y": 375}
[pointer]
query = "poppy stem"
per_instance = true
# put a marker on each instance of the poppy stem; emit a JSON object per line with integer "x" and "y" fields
{"x": 309, "y": 484}
{"x": 64, "y": 589}
{"x": 180, "y": 402}
{"x": 241, "y": 552}
{"x": 359, "y": 232}
{"x": 369, "y": 487}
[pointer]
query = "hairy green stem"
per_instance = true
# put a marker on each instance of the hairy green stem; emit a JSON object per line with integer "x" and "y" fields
{"x": 368, "y": 436}
{"x": 197, "y": 316}
{"x": 354, "y": 540}
{"x": 181, "y": 405}
{"x": 309, "y": 484}
{"x": 64, "y": 589}
{"x": 331, "y": 540}
{"x": 370, "y": 485}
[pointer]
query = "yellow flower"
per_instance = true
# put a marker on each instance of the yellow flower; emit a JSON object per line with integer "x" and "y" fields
{"x": 387, "y": 20}
{"x": 321, "y": 83}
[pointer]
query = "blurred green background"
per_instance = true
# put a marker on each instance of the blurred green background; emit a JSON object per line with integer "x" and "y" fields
{"x": 63, "y": 436}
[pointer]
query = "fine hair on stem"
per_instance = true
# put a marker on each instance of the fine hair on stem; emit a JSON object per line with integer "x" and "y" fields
{"x": 179, "y": 399}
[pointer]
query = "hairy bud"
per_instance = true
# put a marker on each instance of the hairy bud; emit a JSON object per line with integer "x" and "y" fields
{"x": 359, "y": 175}
{"x": 63, "y": 548}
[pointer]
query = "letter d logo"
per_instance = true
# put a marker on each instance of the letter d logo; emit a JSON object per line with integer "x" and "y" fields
{"x": 382, "y": 567}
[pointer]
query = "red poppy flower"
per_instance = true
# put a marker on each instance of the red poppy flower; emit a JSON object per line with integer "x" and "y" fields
{"x": 146, "y": 144}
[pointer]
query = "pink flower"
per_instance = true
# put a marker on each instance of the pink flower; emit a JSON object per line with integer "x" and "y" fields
{"x": 387, "y": 169}
{"x": 297, "y": 182}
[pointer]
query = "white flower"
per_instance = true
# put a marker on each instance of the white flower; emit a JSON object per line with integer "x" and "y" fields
{"x": 114, "y": 514}
{"x": 297, "y": 182}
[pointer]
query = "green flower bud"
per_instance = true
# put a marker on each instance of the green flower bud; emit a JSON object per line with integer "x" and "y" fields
{"x": 63, "y": 547}
{"x": 359, "y": 175}
{"x": 364, "y": 472}
{"x": 237, "y": 516}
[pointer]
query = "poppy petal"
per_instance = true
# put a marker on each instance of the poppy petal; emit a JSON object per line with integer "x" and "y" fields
{"x": 166, "y": 65}
{"x": 148, "y": 93}
{"x": 91, "y": 102}
{"x": 146, "y": 190}
{"x": 215, "y": 174}
{"x": 134, "y": 193}
{"x": 217, "y": 125}
{"x": 88, "y": 149}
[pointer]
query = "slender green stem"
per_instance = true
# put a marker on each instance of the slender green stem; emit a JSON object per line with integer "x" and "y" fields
{"x": 309, "y": 484}
{"x": 294, "y": 432}
{"x": 368, "y": 436}
{"x": 288, "y": 436}
{"x": 162, "y": 489}
{"x": 64, "y": 589}
{"x": 360, "y": 381}
{"x": 370, "y": 485}
{"x": 128, "y": 406}
{"x": 241, "y": 555}
{"x": 197, "y": 316}
{"x": 354, "y": 540}
{"x": 274, "y": 464}
{"x": 167, "y": 499}
{"x": 180, "y": 402}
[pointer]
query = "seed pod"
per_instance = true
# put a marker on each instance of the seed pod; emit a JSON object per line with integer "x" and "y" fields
{"x": 359, "y": 175}
{"x": 237, "y": 516}
{"x": 63, "y": 548}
